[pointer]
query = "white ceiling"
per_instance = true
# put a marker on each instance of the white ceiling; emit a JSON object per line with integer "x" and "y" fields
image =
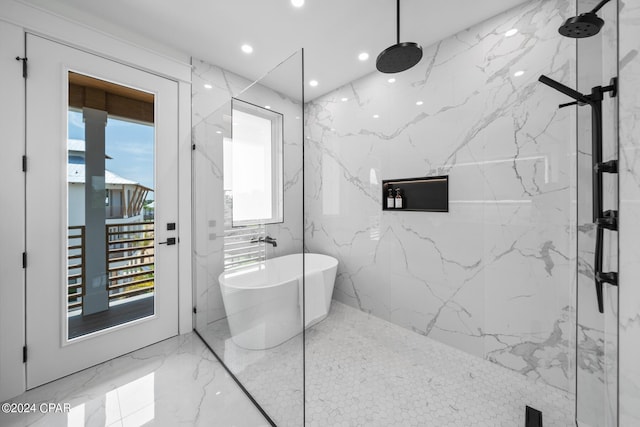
{"x": 332, "y": 32}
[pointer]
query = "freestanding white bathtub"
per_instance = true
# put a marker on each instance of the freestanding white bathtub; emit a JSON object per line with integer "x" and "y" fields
{"x": 264, "y": 301}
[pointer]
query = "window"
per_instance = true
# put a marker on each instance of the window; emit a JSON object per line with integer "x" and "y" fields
{"x": 253, "y": 165}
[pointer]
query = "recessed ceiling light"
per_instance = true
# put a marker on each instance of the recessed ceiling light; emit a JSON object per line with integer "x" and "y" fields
{"x": 363, "y": 56}
{"x": 375, "y": 116}
{"x": 419, "y": 103}
{"x": 297, "y": 3}
{"x": 297, "y": 117}
{"x": 344, "y": 99}
{"x": 518, "y": 73}
{"x": 218, "y": 132}
{"x": 511, "y": 32}
{"x": 313, "y": 83}
{"x": 268, "y": 107}
{"x": 208, "y": 86}
{"x": 391, "y": 80}
{"x": 246, "y": 48}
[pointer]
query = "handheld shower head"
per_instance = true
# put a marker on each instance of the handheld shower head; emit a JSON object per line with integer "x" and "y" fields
{"x": 578, "y": 27}
{"x": 584, "y": 25}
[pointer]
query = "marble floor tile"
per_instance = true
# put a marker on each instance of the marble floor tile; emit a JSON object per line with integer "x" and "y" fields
{"x": 176, "y": 382}
{"x": 273, "y": 377}
{"x": 365, "y": 371}
{"x": 360, "y": 371}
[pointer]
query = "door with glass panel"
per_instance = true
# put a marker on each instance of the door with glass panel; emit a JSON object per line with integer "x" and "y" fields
{"x": 102, "y": 259}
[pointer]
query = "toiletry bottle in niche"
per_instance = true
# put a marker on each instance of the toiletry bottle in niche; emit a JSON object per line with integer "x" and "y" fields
{"x": 399, "y": 199}
{"x": 390, "y": 199}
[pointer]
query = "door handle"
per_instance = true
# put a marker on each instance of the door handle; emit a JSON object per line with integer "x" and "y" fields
{"x": 169, "y": 242}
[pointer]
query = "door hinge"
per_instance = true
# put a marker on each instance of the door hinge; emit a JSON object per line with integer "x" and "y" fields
{"x": 24, "y": 65}
{"x": 195, "y": 310}
{"x": 24, "y": 163}
{"x": 24, "y": 354}
{"x": 193, "y": 146}
{"x": 24, "y": 260}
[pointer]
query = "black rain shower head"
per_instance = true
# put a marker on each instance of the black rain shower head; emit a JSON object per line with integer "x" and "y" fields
{"x": 584, "y": 25}
{"x": 400, "y": 56}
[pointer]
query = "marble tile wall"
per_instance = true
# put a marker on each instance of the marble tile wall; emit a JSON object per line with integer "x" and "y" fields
{"x": 209, "y": 104}
{"x": 629, "y": 212}
{"x": 494, "y": 276}
{"x": 211, "y": 124}
{"x": 610, "y": 40}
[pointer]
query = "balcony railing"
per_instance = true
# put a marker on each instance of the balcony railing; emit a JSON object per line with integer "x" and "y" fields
{"x": 130, "y": 263}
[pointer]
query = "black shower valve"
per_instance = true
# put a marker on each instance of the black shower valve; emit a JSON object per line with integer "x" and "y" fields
{"x": 609, "y": 220}
{"x": 607, "y": 167}
{"x": 612, "y": 88}
{"x": 609, "y": 277}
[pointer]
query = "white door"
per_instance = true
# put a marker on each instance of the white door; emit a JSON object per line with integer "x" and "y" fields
{"x": 114, "y": 287}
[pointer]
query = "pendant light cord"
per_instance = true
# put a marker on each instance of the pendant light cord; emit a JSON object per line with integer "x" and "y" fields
{"x": 398, "y": 22}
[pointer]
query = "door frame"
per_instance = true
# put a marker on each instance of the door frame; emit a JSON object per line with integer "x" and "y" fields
{"x": 51, "y": 353}
{"x": 145, "y": 55}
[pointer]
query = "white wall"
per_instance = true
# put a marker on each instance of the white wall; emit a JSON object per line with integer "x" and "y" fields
{"x": 28, "y": 19}
{"x": 12, "y": 279}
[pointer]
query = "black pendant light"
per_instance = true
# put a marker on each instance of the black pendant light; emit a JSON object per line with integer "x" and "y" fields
{"x": 400, "y": 56}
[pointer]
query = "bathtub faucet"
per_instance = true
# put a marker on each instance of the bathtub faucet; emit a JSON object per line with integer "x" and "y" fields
{"x": 267, "y": 239}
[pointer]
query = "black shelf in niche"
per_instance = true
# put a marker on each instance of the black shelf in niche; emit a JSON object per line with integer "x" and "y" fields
{"x": 426, "y": 194}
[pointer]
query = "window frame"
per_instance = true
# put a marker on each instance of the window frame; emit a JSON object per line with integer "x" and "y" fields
{"x": 277, "y": 162}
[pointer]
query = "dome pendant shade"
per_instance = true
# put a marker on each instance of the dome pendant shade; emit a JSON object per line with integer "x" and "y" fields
{"x": 400, "y": 56}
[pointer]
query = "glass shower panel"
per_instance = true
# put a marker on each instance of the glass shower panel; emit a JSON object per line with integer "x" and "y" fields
{"x": 491, "y": 278}
{"x": 248, "y": 238}
{"x": 597, "y": 332}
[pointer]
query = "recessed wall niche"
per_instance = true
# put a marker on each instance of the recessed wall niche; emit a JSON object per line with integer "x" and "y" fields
{"x": 425, "y": 194}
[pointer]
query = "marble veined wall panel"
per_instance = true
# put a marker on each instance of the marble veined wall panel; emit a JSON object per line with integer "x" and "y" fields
{"x": 493, "y": 276}
{"x": 212, "y": 90}
{"x": 629, "y": 213}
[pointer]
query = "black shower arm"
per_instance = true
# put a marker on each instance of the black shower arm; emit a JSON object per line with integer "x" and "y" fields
{"x": 398, "y": 21}
{"x": 579, "y": 97}
{"x": 599, "y": 6}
